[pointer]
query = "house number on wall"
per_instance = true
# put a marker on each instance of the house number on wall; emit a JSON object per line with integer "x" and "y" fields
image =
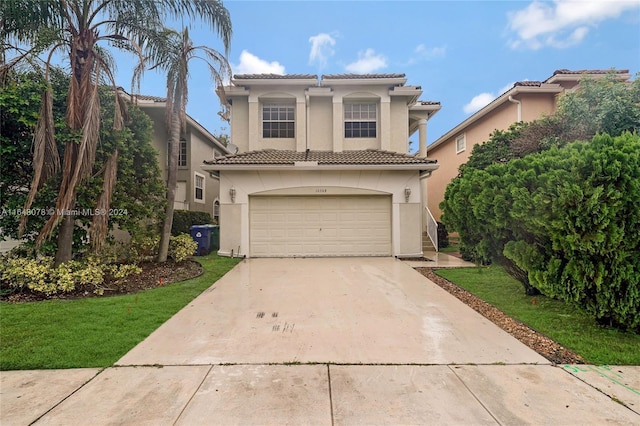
{"x": 321, "y": 190}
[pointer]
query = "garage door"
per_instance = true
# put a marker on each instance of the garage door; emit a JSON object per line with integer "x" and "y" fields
{"x": 320, "y": 226}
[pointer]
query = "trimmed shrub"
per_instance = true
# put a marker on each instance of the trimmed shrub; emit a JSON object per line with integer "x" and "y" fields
{"x": 443, "y": 236}
{"x": 40, "y": 276}
{"x": 580, "y": 208}
{"x": 181, "y": 247}
{"x": 183, "y": 220}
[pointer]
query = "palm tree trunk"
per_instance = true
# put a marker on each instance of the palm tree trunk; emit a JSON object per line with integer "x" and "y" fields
{"x": 163, "y": 251}
{"x": 64, "y": 251}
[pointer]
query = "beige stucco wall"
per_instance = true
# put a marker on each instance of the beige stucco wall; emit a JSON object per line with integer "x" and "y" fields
{"x": 410, "y": 240}
{"x": 534, "y": 106}
{"x": 406, "y": 222}
{"x": 320, "y": 127}
{"x": 198, "y": 149}
{"x": 239, "y": 118}
{"x": 399, "y": 122}
{"x": 319, "y": 118}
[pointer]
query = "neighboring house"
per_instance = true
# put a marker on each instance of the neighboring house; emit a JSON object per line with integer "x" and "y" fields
{"x": 525, "y": 101}
{"x": 322, "y": 167}
{"x": 196, "y": 190}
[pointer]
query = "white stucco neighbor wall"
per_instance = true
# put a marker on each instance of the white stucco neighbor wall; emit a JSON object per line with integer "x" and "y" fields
{"x": 406, "y": 222}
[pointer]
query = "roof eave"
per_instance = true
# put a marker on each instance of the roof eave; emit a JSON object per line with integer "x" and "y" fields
{"x": 284, "y": 167}
{"x": 502, "y": 99}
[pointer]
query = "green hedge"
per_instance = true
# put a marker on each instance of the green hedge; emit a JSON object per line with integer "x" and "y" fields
{"x": 565, "y": 221}
{"x": 184, "y": 219}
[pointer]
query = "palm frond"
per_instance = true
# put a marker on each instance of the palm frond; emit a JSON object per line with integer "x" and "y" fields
{"x": 99, "y": 227}
{"x": 46, "y": 161}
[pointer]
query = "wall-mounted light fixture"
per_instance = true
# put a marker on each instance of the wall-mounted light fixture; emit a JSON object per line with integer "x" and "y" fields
{"x": 407, "y": 194}
{"x": 232, "y": 194}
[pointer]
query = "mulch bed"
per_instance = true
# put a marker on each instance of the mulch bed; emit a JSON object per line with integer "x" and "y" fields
{"x": 153, "y": 275}
{"x": 540, "y": 343}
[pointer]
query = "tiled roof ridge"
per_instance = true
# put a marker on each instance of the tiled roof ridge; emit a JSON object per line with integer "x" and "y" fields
{"x": 142, "y": 97}
{"x": 528, "y": 83}
{"x": 274, "y": 76}
{"x": 289, "y": 157}
{"x": 355, "y": 76}
{"x": 593, "y": 71}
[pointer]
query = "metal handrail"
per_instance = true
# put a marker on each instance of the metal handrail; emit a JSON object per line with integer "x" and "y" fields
{"x": 432, "y": 228}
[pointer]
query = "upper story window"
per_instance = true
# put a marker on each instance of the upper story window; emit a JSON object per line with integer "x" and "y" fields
{"x": 182, "y": 153}
{"x": 199, "y": 187}
{"x": 278, "y": 121}
{"x": 461, "y": 144}
{"x": 360, "y": 120}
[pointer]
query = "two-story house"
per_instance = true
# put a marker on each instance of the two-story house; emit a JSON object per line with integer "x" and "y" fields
{"x": 322, "y": 166}
{"x": 524, "y": 101}
{"x": 196, "y": 190}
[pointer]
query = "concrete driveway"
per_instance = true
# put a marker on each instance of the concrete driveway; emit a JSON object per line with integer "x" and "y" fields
{"x": 324, "y": 341}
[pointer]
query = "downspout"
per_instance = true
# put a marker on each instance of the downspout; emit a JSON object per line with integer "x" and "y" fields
{"x": 515, "y": 101}
{"x": 306, "y": 127}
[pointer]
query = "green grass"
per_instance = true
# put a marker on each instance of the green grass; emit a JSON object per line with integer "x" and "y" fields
{"x": 566, "y": 325}
{"x": 451, "y": 248}
{"x": 94, "y": 332}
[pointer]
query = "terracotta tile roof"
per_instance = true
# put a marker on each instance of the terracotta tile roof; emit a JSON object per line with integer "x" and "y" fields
{"x": 566, "y": 71}
{"x": 527, "y": 83}
{"x": 274, "y": 76}
{"x": 357, "y": 76}
{"x": 142, "y": 97}
{"x": 150, "y": 98}
{"x": 283, "y": 157}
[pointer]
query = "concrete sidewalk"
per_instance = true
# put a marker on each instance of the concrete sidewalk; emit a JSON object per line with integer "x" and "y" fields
{"x": 322, "y": 394}
{"x": 325, "y": 341}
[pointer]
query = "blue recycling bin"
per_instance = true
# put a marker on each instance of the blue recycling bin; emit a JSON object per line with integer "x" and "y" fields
{"x": 201, "y": 234}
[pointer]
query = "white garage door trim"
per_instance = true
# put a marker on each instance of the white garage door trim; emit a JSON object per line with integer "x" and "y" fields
{"x": 320, "y": 226}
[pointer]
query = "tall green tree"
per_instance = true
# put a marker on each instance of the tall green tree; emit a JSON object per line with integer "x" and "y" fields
{"x": 82, "y": 29}
{"x": 172, "y": 52}
{"x": 138, "y": 192}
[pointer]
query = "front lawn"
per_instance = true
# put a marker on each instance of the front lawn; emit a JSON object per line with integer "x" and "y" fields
{"x": 566, "y": 325}
{"x": 97, "y": 331}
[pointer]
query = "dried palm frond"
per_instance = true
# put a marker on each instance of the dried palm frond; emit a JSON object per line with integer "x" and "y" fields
{"x": 46, "y": 161}
{"x": 99, "y": 227}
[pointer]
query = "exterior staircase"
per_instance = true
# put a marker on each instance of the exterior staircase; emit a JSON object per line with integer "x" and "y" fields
{"x": 430, "y": 234}
{"x": 427, "y": 245}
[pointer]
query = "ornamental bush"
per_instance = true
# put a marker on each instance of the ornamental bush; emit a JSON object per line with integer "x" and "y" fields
{"x": 183, "y": 220}
{"x": 40, "y": 275}
{"x": 181, "y": 247}
{"x": 580, "y": 209}
{"x": 565, "y": 221}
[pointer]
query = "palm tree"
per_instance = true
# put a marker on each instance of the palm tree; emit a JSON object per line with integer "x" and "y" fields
{"x": 171, "y": 52}
{"x": 80, "y": 28}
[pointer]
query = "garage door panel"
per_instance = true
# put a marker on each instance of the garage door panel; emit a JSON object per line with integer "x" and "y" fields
{"x": 320, "y": 226}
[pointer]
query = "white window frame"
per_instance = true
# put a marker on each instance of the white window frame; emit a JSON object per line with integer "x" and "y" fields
{"x": 279, "y": 113}
{"x": 357, "y": 115}
{"x": 197, "y": 175}
{"x": 461, "y": 138}
{"x": 182, "y": 153}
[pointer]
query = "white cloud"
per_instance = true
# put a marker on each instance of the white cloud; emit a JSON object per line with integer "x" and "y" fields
{"x": 251, "y": 64}
{"x": 478, "y": 102}
{"x": 430, "y": 52}
{"x": 562, "y": 23}
{"x": 424, "y": 53}
{"x": 321, "y": 49}
{"x": 368, "y": 61}
{"x": 485, "y": 98}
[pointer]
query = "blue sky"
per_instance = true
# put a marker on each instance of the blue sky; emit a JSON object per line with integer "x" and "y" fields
{"x": 462, "y": 53}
